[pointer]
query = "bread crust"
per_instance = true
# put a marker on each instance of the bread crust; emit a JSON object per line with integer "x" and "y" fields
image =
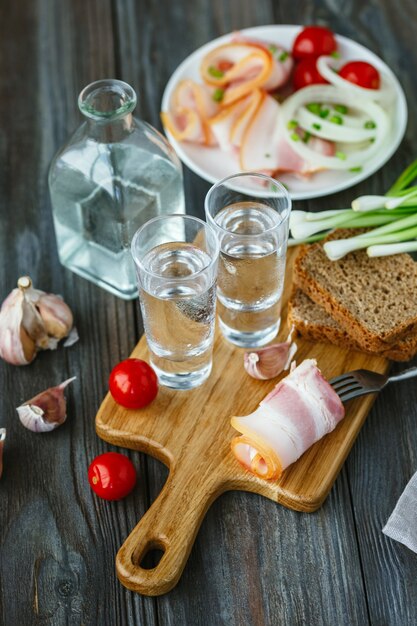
{"x": 313, "y": 283}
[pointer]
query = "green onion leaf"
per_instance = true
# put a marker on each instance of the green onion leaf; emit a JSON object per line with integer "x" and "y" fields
{"x": 369, "y": 124}
{"x": 283, "y": 56}
{"x": 295, "y": 137}
{"x": 336, "y": 119}
{"x": 213, "y": 71}
{"x": 316, "y": 126}
{"x": 306, "y": 137}
{"x": 324, "y": 113}
{"x": 355, "y": 169}
{"x": 335, "y": 54}
{"x": 341, "y": 108}
{"x": 218, "y": 95}
{"x": 314, "y": 107}
{"x": 292, "y": 124}
{"x": 340, "y": 155}
{"x": 272, "y": 48}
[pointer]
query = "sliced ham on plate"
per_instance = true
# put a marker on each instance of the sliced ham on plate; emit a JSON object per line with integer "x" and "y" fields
{"x": 301, "y": 409}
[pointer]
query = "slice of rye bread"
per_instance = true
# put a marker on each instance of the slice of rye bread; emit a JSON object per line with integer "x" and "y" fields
{"x": 373, "y": 299}
{"x": 313, "y": 323}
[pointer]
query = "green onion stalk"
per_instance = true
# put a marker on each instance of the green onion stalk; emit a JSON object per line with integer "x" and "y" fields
{"x": 392, "y": 218}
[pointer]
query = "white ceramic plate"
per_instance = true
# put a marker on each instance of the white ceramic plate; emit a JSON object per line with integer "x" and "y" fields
{"x": 212, "y": 164}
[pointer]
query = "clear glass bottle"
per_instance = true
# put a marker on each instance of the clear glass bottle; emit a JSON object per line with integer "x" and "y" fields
{"x": 115, "y": 173}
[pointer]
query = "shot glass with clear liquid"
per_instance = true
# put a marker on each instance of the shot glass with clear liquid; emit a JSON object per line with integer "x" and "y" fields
{"x": 250, "y": 213}
{"x": 176, "y": 264}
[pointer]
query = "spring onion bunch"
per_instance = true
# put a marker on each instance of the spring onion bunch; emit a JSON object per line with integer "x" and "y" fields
{"x": 392, "y": 219}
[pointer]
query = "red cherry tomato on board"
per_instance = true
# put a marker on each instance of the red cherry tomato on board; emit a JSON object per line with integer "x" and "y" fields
{"x": 361, "y": 73}
{"x": 111, "y": 476}
{"x": 306, "y": 73}
{"x": 133, "y": 383}
{"x": 312, "y": 42}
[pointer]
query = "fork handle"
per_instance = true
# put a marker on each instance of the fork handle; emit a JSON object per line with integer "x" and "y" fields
{"x": 410, "y": 373}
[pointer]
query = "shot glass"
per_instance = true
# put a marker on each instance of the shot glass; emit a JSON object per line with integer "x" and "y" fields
{"x": 176, "y": 264}
{"x": 250, "y": 213}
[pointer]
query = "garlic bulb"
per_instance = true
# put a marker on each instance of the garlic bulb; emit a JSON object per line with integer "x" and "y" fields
{"x": 270, "y": 361}
{"x": 2, "y": 440}
{"x": 47, "y": 410}
{"x": 31, "y": 320}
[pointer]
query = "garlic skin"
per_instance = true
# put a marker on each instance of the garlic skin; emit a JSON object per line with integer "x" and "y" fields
{"x": 270, "y": 361}
{"x": 2, "y": 440}
{"x": 31, "y": 320}
{"x": 47, "y": 410}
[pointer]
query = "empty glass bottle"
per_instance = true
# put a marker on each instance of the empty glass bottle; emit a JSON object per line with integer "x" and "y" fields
{"x": 115, "y": 173}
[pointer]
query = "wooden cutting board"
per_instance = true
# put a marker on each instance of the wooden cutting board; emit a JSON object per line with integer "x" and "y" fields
{"x": 190, "y": 432}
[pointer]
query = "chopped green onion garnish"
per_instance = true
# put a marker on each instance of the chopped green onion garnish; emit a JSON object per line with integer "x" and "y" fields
{"x": 218, "y": 95}
{"x": 340, "y": 155}
{"x": 316, "y": 126}
{"x": 341, "y": 108}
{"x": 272, "y": 48}
{"x": 336, "y": 119}
{"x": 306, "y": 137}
{"x": 335, "y": 54}
{"x": 324, "y": 113}
{"x": 355, "y": 169}
{"x": 314, "y": 107}
{"x": 369, "y": 124}
{"x": 283, "y": 56}
{"x": 213, "y": 71}
{"x": 295, "y": 137}
{"x": 292, "y": 124}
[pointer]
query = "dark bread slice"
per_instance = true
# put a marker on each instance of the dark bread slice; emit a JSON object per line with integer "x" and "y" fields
{"x": 313, "y": 323}
{"x": 373, "y": 299}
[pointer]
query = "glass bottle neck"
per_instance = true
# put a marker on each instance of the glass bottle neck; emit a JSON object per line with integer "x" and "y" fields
{"x": 108, "y": 105}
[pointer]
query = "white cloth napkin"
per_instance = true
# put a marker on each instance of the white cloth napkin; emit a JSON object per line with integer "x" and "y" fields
{"x": 402, "y": 525}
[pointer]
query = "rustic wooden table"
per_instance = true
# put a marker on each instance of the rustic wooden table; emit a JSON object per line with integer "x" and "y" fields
{"x": 254, "y": 562}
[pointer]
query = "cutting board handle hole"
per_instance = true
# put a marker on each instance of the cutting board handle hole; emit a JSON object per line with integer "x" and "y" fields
{"x": 151, "y": 555}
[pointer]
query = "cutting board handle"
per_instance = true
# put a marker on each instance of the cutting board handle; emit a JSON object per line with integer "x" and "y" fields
{"x": 170, "y": 525}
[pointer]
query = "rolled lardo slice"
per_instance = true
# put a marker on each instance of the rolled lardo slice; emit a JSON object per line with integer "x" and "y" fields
{"x": 282, "y": 61}
{"x": 237, "y": 68}
{"x": 236, "y": 115}
{"x": 299, "y": 411}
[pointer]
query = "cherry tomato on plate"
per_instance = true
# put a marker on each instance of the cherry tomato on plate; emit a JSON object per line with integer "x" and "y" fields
{"x": 133, "y": 383}
{"x": 312, "y": 42}
{"x": 112, "y": 476}
{"x": 306, "y": 73}
{"x": 361, "y": 73}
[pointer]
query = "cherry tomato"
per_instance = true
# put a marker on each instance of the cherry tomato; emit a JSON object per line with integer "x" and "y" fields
{"x": 111, "y": 476}
{"x": 361, "y": 73}
{"x": 306, "y": 73}
{"x": 312, "y": 42}
{"x": 133, "y": 383}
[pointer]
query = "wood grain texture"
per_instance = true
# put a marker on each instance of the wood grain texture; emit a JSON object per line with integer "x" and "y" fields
{"x": 190, "y": 432}
{"x": 253, "y": 562}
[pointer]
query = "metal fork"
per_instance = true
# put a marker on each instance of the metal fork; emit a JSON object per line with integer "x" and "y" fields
{"x": 360, "y": 382}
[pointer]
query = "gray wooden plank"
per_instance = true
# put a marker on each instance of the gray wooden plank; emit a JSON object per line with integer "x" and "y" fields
{"x": 58, "y": 541}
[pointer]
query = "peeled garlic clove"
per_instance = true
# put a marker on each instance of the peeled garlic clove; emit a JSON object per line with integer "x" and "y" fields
{"x": 2, "y": 440}
{"x": 270, "y": 361}
{"x": 47, "y": 410}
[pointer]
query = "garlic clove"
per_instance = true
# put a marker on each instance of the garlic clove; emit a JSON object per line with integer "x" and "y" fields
{"x": 47, "y": 410}
{"x": 56, "y": 315}
{"x": 31, "y": 320}
{"x": 270, "y": 361}
{"x": 2, "y": 440}
{"x": 16, "y": 346}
